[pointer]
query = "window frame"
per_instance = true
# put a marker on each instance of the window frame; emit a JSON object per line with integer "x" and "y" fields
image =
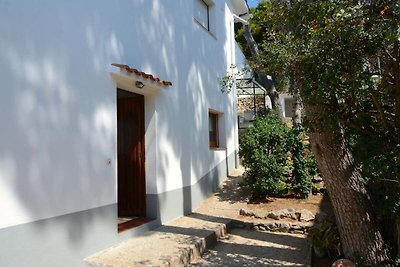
{"x": 213, "y": 119}
{"x": 207, "y": 23}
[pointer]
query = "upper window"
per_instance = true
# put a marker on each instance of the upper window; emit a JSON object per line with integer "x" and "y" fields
{"x": 204, "y": 14}
{"x": 213, "y": 129}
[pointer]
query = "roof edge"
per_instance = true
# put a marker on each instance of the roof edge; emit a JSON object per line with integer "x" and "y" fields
{"x": 142, "y": 74}
{"x": 241, "y": 7}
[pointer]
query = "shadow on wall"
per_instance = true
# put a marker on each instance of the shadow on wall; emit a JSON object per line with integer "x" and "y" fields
{"x": 58, "y": 106}
{"x": 58, "y": 111}
{"x": 184, "y": 124}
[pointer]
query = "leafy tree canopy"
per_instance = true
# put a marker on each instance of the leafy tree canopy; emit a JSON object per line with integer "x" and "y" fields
{"x": 343, "y": 56}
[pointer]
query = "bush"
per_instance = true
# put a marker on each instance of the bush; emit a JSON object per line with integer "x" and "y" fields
{"x": 276, "y": 159}
{"x": 302, "y": 180}
{"x": 265, "y": 151}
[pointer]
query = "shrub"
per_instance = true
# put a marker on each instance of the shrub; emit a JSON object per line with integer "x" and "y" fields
{"x": 302, "y": 180}
{"x": 276, "y": 159}
{"x": 265, "y": 151}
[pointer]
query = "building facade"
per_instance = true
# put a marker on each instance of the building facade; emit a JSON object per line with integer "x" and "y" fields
{"x": 111, "y": 113}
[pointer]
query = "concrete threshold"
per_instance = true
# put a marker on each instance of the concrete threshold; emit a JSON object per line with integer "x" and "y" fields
{"x": 177, "y": 243}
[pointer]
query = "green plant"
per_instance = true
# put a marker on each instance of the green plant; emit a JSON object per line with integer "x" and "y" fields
{"x": 276, "y": 158}
{"x": 265, "y": 151}
{"x": 324, "y": 237}
{"x": 302, "y": 181}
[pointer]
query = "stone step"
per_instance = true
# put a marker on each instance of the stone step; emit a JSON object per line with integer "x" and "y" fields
{"x": 174, "y": 244}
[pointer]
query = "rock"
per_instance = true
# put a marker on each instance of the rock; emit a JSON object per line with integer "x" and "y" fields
{"x": 297, "y": 232}
{"x": 284, "y": 227}
{"x": 296, "y": 227}
{"x": 270, "y": 226}
{"x": 250, "y": 213}
{"x": 289, "y": 213}
{"x": 281, "y": 214}
{"x": 306, "y": 225}
{"x": 274, "y": 215}
{"x": 317, "y": 178}
{"x": 243, "y": 212}
{"x": 259, "y": 214}
{"x": 262, "y": 228}
{"x": 306, "y": 215}
{"x": 343, "y": 263}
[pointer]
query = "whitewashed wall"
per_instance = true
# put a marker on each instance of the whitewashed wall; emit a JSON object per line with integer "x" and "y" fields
{"x": 58, "y": 108}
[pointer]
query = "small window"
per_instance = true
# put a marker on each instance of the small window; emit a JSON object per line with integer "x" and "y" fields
{"x": 202, "y": 14}
{"x": 213, "y": 130}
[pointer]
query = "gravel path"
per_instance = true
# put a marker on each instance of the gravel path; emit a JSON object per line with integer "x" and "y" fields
{"x": 250, "y": 248}
{"x": 243, "y": 247}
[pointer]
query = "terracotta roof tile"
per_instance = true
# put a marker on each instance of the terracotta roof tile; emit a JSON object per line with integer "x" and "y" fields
{"x": 142, "y": 74}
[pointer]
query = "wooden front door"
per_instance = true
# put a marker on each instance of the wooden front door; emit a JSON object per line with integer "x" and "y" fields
{"x": 131, "y": 156}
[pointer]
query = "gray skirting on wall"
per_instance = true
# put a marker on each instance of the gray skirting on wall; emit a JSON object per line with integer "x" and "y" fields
{"x": 66, "y": 240}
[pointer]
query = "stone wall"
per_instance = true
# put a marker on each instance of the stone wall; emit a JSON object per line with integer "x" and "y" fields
{"x": 247, "y": 104}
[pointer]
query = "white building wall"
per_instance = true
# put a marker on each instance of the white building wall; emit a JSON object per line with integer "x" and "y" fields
{"x": 58, "y": 108}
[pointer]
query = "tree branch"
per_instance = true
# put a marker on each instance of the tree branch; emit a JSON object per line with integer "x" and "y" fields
{"x": 267, "y": 83}
{"x": 359, "y": 128}
{"x": 378, "y": 105}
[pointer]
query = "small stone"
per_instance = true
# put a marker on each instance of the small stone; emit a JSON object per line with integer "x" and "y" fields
{"x": 306, "y": 215}
{"x": 276, "y": 215}
{"x": 306, "y": 225}
{"x": 249, "y": 213}
{"x": 297, "y": 232}
{"x": 284, "y": 227}
{"x": 281, "y": 214}
{"x": 343, "y": 263}
{"x": 243, "y": 212}
{"x": 296, "y": 227}
{"x": 288, "y": 213}
{"x": 317, "y": 178}
{"x": 270, "y": 225}
{"x": 258, "y": 214}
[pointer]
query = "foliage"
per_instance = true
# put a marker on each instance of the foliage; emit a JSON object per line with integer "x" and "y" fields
{"x": 302, "y": 180}
{"x": 264, "y": 149}
{"x": 325, "y": 237}
{"x": 344, "y": 55}
{"x": 273, "y": 155}
{"x": 380, "y": 167}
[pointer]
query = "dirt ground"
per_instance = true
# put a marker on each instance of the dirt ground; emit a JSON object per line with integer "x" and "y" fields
{"x": 233, "y": 196}
{"x": 315, "y": 204}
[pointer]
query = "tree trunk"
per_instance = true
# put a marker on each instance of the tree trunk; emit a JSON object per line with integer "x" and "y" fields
{"x": 263, "y": 79}
{"x": 297, "y": 112}
{"x": 360, "y": 237}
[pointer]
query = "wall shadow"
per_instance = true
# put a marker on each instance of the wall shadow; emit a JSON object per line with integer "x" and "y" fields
{"x": 58, "y": 108}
